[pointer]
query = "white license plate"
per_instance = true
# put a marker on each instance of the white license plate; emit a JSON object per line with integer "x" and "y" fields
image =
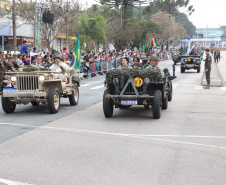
{"x": 189, "y": 65}
{"x": 10, "y": 90}
{"x": 129, "y": 102}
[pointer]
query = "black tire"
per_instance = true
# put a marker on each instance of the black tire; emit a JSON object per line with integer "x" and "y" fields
{"x": 35, "y": 103}
{"x": 170, "y": 93}
{"x": 108, "y": 105}
{"x": 198, "y": 69}
{"x": 54, "y": 100}
{"x": 7, "y": 105}
{"x": 74, "y": 98}
{"x": 182, "y": 69}
{"x": 157, "y": 103}
{"x": 165, "y": 103}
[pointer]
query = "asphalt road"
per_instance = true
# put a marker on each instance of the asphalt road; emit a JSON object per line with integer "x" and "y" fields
{"x": 80, "y": 146}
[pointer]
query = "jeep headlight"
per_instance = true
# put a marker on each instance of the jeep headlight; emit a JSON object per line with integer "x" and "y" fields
{"x": 115, "y": 80}
{"x": 146, "y": 80}
{"x": 13, "y": 78}
{"x": 185, "y": 60}
{"x": 194, "y": 60}
{"x": 42, "y": 78}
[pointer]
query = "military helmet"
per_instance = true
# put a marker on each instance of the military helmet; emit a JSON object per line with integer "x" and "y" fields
{"x": 58, "y": 56}
{"x": 154, "y": 57}
{"x": 1, "y": 51}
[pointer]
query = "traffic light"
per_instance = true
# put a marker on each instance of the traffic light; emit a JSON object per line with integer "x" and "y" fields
{"x": 47, "y": 17}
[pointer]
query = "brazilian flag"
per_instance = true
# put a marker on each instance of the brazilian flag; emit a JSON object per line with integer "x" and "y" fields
{"x": 75, "y": 59}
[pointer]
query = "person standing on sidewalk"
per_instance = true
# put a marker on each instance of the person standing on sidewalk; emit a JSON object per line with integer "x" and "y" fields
{"x": 208, "y": 62}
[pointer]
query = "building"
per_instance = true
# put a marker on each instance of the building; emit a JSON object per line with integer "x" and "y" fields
{"x": 208, "y": 37}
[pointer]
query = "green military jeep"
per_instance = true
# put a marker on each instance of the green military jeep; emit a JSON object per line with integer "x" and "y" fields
{"x": 127, "y": 87}
{"x": 190, "y": 62}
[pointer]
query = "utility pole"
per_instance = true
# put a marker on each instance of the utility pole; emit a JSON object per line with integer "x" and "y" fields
{"x": 14, "y": 27}
{"x": 35, "y": 26}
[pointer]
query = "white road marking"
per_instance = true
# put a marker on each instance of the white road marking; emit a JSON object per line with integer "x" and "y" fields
{"x": 223, "y": 88}
{"x": 149, "y": 137}
{"x": 198, "y": 87}
{"x": 98, "y": 87}
{"x": 175, "y": 85}
{"x": 9, "y": 182}
{"x": 85, "y": 85}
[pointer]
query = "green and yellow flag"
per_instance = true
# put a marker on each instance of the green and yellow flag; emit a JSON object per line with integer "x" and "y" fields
{"x": 75, "y": 59}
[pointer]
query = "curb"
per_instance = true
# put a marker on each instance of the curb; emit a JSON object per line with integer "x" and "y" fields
{"x": 223, "y": 80}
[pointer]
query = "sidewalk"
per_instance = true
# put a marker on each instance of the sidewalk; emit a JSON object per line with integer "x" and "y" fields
{"x": 215, "y": 78}
{"x": 222, "y": 68}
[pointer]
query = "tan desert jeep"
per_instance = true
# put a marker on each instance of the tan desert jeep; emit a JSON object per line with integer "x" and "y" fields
{"x": 36, "y": 87}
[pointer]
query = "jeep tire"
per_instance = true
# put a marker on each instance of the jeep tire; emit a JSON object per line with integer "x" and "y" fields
{"x": 54, "y": 100}
{"x": 165, "y": 102}
{"x": 74, "y": 97}
{"x": 182, "y": 69}
{"x": 157, "y": 104}
{"x": 198, "y": 69}
{"x": 108, "y": 105}
{"x": 170, "y": 93}
{"x": 7, "y": 105}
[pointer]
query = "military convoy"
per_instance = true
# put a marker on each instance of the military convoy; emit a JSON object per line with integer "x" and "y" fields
{"x": 127, "y": 87}
{"x": 37, "y": 87}
{"x": 190, "y": 62}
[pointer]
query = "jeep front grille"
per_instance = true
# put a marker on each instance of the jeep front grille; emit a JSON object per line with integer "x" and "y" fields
{"x": 130, "y": 90}
{"x": 27, "y": 83}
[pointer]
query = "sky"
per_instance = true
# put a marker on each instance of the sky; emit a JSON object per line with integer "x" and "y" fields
{"x": 207, "y": 12}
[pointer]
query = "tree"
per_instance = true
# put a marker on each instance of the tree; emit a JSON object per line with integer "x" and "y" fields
{"x": 91, "y": 29}
{"x": 171, "y": 30}
{"x": 172, "y": 6}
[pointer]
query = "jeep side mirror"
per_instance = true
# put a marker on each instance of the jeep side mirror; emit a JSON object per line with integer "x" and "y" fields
{"x": 166, "y": 70}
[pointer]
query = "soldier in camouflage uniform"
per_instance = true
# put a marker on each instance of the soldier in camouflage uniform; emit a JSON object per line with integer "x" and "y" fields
{"x": 9, "y": 64}
{"x": 154, "y": 63}
{"x": 2, "y": 69}
{"x": 125, "y": 65}
{"x": 208, "y": 62}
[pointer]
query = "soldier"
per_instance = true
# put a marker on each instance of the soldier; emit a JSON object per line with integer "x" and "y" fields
{"x": 218, "y": 55}
{"x": 215, "y": 55}
{"x": 125, "y": 65}
{"x": 2, "y": 69}
{"x": 208, "y": 62}
{"x": 9, "y": 64}
{"x": 154, "y": 63}
{"x": 15, "y": 64}
{"x": 59, "y": 66}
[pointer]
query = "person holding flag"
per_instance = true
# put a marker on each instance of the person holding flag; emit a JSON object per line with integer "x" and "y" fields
{"x": 191, "y": 52}
{"x": 76, "y": 58}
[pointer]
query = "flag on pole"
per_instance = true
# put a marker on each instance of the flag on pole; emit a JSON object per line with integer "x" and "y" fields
{"x": 154, "y": 42}
{"x": 75, "y": 59}
{"x": 188, "y": 48}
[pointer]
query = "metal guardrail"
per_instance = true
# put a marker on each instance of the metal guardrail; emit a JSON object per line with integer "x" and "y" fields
{"x": 98, "y": 67}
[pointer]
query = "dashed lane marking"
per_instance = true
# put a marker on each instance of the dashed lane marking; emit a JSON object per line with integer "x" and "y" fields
{"x": 198, "y": 87}
{"x": 175, "y": 85}
{"x": 98, "y": 87}
{"x": 85, "y": 85}
{"x": 139, "y": 136}
{"x": 9, "y": 182}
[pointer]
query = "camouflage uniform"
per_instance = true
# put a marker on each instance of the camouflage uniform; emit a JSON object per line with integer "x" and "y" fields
{"x": 208, "y": 62}
{"x": 2, "y": 72}
{"x": 122, "y": 67}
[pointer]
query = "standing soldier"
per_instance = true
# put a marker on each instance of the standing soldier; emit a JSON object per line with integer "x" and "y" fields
{"x": 218, "y": 55}
{"x": 2, "y": 69}
{"x": 208, "y": 62}
{"x": 215, "y": 55}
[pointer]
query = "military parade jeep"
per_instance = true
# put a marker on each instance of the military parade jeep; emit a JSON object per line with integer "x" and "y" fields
{"x": 37, "y": 87}
{"x": 190, "y": 62}
{"x": 127, "y": 87}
